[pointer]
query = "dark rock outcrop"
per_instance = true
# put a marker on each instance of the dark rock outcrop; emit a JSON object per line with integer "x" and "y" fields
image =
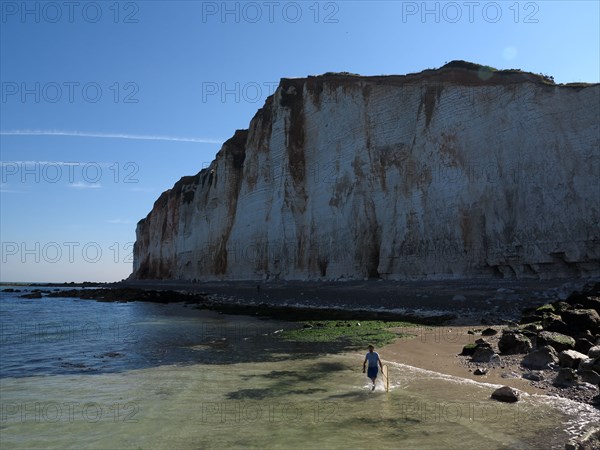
{"x": 506, "y": 394}
{"x": 558, "y": 341}
{"x": 482, "y": 354}
{"x": 512, "y": 343}
{"x": 570, "y": 358}
{"x": 582, "y": 319}
{"x": 566, "y": 377}
{"x": 541, "y": 358}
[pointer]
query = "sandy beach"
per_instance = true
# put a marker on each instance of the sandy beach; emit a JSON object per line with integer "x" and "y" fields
{"x": 437, "y": 349}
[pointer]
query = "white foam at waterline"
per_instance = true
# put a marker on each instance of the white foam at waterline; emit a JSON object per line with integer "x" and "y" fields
{"x": 581, "y": 414}
{"x": 443, "y": 376}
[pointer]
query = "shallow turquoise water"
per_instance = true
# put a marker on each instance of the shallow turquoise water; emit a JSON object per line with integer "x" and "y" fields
{"x": 192, "y": 379}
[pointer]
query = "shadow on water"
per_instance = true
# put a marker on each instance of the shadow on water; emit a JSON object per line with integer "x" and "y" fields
{"x": 284, "y": 382}
{"x": 278, "y": 390}
{"x": 392, "y": 427}
{"x": 350, "y": 395}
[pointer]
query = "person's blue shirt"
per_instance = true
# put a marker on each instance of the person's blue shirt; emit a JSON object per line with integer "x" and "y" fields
{"x": 372, "y": 358}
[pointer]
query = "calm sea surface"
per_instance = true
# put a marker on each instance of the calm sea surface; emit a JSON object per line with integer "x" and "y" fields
{"x": 83, "y": 374}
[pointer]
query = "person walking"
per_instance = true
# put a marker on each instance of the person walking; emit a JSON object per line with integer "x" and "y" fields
{"x": 372, "y": 358}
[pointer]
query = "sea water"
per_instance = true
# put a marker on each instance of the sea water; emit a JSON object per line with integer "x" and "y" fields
{"x": 86, "y": 374}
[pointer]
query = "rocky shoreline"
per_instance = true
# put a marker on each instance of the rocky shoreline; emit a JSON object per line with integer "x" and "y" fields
{"x": 555, "y": 346}
{"x": 510, "y": 367}
{"x": 457, "y": 302}
{"x": 462, "y": 301}
{"x": 296, "y": 312}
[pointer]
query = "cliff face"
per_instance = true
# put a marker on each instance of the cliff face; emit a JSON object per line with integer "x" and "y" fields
{"x": 446, "y": 173}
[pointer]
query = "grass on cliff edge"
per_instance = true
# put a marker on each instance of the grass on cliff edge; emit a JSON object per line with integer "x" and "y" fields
{"x": 350, "y": 333}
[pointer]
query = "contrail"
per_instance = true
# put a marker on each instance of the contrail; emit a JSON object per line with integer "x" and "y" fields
{"x": 141, "y": 137}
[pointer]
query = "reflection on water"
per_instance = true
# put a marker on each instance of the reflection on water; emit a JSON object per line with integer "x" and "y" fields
{"x": 178, "y": 387}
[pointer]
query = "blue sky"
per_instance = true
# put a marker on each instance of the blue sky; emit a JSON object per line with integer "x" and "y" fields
{"x": 107, "y": 104}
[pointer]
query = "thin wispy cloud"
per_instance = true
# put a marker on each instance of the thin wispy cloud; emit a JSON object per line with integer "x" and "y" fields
{"x": 5, "y": 189}
{"x": 119, "y": 221}
{"x": 54, "y": 163}
{"x": 80, "y": 185}
{"x": 138, "y": 137}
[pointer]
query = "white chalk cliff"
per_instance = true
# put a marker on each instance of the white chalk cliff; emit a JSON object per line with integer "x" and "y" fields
{"x": 458, "y": 172}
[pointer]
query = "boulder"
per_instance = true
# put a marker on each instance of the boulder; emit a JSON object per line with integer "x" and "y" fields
{"x": 510, "y": 375}
{"x": 506, "y": 394}
{"x": 532, "y": 335}
{"x": 589, "y": 376}
{"x": 530, "y": 319}
{"x": 540, "y": 358}
{"x": 591, "y": 303}
{"x": 534, "y": 327}
{"x": 496, "y": 360}
{"x": 582, "y": 385}
{"x": 544, "y": 310}
{"x": 566, "y": 377}
{"x": 570, "y": 358}
{"x": 468, "y": 350}
{"x": 558, "y": 341}
{"x": 587, "y": 364}
{"x": 583, "y": 334}
{"x": 583, "y": 345}
{"x": 489, "y": 332}
{"x": 549, "y": 317}
{"x": 594, "y": 352}
{"x": 479, "y": 371}
{"x": 555, "y": 324}
{"x": 512, "y": 343}
{"x": 582, "y": 319}
{"x": 560, "y": 307}
{"x": 575, "y": 297}
{"x": 482, "y": 354}
{"x": 533, "y": 375}
{"x": 589, "y": 298}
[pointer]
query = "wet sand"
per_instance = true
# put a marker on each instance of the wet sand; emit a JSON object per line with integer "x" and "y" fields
{"x": 436, "y": 349}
